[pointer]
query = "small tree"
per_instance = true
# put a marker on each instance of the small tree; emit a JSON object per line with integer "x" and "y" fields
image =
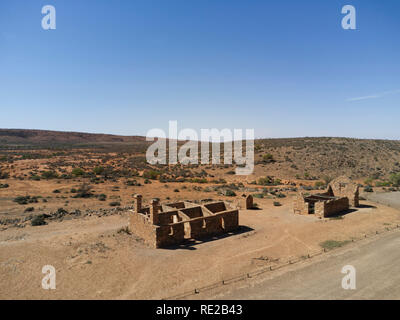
{"x": 395, "y": 179}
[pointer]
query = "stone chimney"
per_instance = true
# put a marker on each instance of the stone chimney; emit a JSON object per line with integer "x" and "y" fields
{"x": 154, "y": 211}
{"x": 138, "y": 202}
{"x": 248, "y": 202}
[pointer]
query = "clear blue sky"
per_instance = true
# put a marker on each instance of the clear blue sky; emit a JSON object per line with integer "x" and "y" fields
{"x": 285, "y": 68}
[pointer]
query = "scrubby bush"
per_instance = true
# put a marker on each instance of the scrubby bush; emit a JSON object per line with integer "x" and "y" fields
{"x": 230, "y": 193}
{"x": 395, "y": 179}
{"x": 264, "y": 181}
{"x": 49, "y": 175}
{"x": 327, "y": 179}
{"x": 25, "y": 200}
{"x": 84, "y": 191}
{"x": 98, "y": 170}
{"x": 151, "y": 174}
{"x": 115, "y": 204}
{"x": 319, "y": 184}
{"x": 268, "y": 158}
{"x": 77, "y": 172}
{"x": 132, "y": 183}
{"x": 368, "y": 189}
{"x": 102, "y": 197}
{"x": 39, "y": 220}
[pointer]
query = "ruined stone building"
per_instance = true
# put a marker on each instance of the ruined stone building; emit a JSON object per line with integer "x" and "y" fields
{"x": 341, "y": 193}
{"x": 322, "y": 204}
{"x": 344, "y": 187}
{"x": 163, "y": 225}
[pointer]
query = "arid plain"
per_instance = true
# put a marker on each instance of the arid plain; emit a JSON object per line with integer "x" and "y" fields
{"x": 65, "y": 200}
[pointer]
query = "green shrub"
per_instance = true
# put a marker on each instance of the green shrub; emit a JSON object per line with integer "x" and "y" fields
{"x": 265, "y": 181}
{"x": 383, "y": 184}
{"x": 369, "y": 181}
{"x": 25, "y": 200}
{"x": 331, "y": 244}
{"x": 327, "y": 179}
{"x": 49, "y": 175}
{"x": 268, "y": 158}
{"x": 368, "y": 189}
{"x": 98, "y": 170}
{"x": 395, "y": 179}
{"x": 151, "y": 174}
{"x": 277, "y": 204}
{"x": 39, "y": 220}
{"x": 115, "y": 204}
{"x": 319, "y": 184}
{"x": 199, "y": 180}
{"x": 84, "y": 191}
{"x": 230, "y": 193}
{"x": 4, "y": 175}
{"x": 77, "y": 172}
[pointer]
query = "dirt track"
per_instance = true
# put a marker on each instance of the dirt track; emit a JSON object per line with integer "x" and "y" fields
{"x": 377, "y": 275}
{"x": 391, "y": 199}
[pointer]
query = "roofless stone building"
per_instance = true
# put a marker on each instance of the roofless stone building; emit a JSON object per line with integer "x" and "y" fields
{"x": 162, "y": 225}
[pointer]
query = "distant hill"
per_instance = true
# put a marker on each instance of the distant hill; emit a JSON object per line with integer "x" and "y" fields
{"x": 330, "y": 157}
{"x": 301, "y": 157}
{"x": 47, "y": 138}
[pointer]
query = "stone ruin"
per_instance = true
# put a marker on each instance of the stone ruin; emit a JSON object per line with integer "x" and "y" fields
{"x": 344, "y": 187}
{"x": 341, "y": 193}
{"x": 162, "y": 225}
{"x": 248, "y": 202}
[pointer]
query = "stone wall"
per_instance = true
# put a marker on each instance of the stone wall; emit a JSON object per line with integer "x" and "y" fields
{"x": 141, "y": 226}
{"x": 200, "y": 228}
{"x": 167, "y": 217}
{"x": 344, "y": 187}
{"x": 170, "y": 235}
{"x": 331, "y": 207}
{"x": 216, "y": 207}
{"x": 300, "y": 206}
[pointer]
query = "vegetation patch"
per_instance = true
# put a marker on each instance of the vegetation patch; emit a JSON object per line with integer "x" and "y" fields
{"x": 332, "y": 244}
